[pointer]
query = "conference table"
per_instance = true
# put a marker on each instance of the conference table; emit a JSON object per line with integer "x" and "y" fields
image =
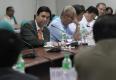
{"x": 40, "y": 65}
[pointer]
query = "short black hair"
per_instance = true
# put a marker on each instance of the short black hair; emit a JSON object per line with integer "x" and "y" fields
{"x": 104, "y": 28}
{"x": 92, "y": 9}
{"x": 44, "y": 9}
{"x": 110, "y": 9}
{"x": 10, "y": 47}
{"x": 79, "y": 8}
{"x": 8, "y": 8}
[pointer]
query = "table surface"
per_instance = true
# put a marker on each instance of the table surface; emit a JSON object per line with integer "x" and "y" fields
{"x": 43, "y": 56}
{"x": 40, "y": 65}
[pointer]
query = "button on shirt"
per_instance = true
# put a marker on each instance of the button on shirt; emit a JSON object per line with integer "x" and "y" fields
{"x": 86, "y": 29}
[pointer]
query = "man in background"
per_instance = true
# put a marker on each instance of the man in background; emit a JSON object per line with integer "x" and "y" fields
{"x": 10, "y": 18}
{"x": 101, "y": 7}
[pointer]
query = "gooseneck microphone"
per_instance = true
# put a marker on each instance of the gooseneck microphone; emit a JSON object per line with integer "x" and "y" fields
{"x": 54, "y": 35}
{"x": 31, "y": 54}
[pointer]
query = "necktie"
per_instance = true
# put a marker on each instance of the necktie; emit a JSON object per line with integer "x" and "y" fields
{"x": 40, "y": 34}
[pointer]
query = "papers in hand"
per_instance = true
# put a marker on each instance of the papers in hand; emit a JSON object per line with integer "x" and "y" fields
{"x": 49, "y": 44}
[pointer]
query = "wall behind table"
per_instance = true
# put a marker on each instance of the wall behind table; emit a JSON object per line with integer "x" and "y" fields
{"x": 50, "y": 3}
{"x": 61, "y": 3}
{"x": 24, "y": 9}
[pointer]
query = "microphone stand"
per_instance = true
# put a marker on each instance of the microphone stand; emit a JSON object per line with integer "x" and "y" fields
{"x": 32, "y": 54}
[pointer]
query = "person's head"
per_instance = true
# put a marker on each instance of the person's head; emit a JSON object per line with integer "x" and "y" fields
{"x": 105, "y": 28}
{"x": 43, "y": 16}
{"x": 10, "y": 11}
{"x": 67, "y": 15}
{"x": 80, "y": 9}
{"x": 101, "y": 7}
{"x": 90, "y": 13}
{"x": 10, "y": 47}
{"x": 109, "y": 11}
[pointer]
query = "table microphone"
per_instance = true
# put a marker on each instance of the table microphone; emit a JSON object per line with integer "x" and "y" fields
{"x": 31, "y": 54}
{"x": 55, "y": 36}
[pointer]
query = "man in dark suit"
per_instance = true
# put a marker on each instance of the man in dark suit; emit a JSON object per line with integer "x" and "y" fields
{"x": 36, "y": 32}
{"x": 10, "y": 48}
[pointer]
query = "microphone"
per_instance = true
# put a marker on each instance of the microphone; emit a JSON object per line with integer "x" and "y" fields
{"x": 57, "y": 28}
{"x": 55, "y": 36}
{"x": 31, "y": 54}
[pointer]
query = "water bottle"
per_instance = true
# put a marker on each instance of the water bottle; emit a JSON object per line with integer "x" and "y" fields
{"x": 20, "y": 65}
{"x": 63, "y": 40}
{"x": 64, "y": 37}
{"x": 66, "y": 63}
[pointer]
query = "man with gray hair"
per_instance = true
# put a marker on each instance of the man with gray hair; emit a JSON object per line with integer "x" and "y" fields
{"x": 101, "y": 7}
{"x": 61, "y": 24}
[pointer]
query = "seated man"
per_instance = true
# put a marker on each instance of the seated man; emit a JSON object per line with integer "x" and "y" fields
{"x": 60, "y": 25}
{"x": 99, "y": 62}
{"x": 86, "y": 25}
{"x": 10, "y": 18}
{"x": 35, "y": 32}
{"x": 80, "y": 9}
{"x": 10, "y": 48}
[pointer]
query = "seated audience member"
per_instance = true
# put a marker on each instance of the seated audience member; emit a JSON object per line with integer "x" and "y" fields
{"x": 10, "y": 18}
{"x": 80, "y": 9}
{"x": 98, "y": 63}
{"x": 101, "y": 7}
{"x": 109, "y": 11}
{"x": 10, "y": 48}
{"x": 61, "y": 25}
{"x": 86, "y": 25}
{"x": 35, "y": 32}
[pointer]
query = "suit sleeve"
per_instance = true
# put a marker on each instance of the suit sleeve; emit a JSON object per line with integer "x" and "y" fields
{"x": 28, "y": 35}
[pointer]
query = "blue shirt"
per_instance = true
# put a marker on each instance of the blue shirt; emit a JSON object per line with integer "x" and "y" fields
{"x": 56, "y": 29}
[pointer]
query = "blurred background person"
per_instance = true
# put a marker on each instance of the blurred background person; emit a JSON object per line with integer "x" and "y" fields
{"x": 109, "y": 11}
{"x": 98, "y": 63}
{"x": 10, "y": 48}
{"x": 101, "y": 7}
{"x": 10, "y": 18}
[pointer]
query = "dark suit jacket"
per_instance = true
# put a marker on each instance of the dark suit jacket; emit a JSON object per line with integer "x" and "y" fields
{"x": 97, "y": 63}
{"x": 29, "y": 34}
{"x": 10, "y": 74}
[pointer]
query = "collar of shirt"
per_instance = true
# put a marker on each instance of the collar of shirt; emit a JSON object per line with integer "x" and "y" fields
{"x": 37, "y": 27}
{"x": 10, "y": 18}
{"x": 84, "y": 20}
